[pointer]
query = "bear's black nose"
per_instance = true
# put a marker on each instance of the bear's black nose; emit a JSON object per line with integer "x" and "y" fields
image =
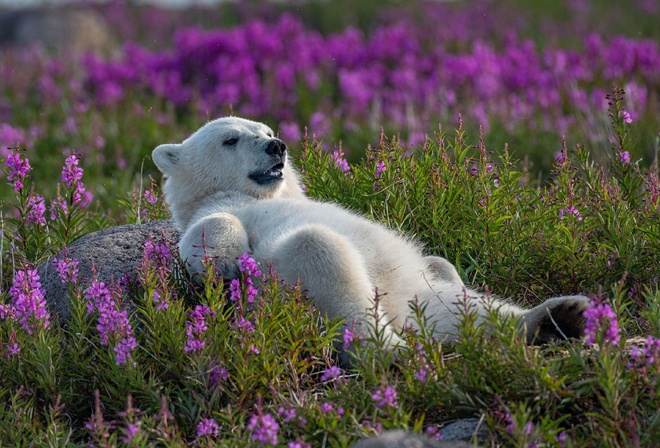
{"x": 276, "y": 147}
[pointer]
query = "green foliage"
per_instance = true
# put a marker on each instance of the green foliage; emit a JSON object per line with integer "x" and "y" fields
{"x": 591, "y": 228}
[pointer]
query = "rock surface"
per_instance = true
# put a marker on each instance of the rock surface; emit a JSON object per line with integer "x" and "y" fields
{"x": 112, "y": 252}
{"x": 74, "y": 31}
{"x": 406, "y": 439}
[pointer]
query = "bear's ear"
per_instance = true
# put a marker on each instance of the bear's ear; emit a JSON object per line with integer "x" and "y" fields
{"x": 166, "y": 157}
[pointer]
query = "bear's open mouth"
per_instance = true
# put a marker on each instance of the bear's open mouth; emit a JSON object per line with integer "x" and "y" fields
{"x": 272, "y": 174}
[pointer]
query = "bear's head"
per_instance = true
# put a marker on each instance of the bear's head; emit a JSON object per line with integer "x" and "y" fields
{"x": 231, "y": 155}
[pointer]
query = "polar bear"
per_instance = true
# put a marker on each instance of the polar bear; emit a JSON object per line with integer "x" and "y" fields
{"x": 231, "y": 190}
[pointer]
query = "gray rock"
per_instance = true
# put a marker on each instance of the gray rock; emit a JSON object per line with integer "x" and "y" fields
{"x": 464, "y": 429}
{"x": 406, "y": 439}
{"x": 112, "y": 252}
{"x": 74, "y": 31}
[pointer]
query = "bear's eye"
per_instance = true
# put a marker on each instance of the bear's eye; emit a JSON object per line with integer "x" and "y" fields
{"x": 230, "y": 141}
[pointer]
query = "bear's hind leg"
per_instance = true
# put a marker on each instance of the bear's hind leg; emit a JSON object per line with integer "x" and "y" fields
{"x": 556, "y": 319}
{"x": 334, "y": 274}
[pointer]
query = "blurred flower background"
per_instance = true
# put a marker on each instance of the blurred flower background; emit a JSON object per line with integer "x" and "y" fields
{"x": 526, "y": 73}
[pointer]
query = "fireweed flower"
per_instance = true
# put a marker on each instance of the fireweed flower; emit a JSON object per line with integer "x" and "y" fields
{"x": 421, "y": 375}
{"x": 340, "y": 161}
{"x": 158, "y": 255}
{"x": 28, "y": 303}
{"x": 67, "y": 269}
{"x": 243, "y": 325}
{"x": 18, "y": 170}
{"x": 124, "y": 348}
{"x": 646, "y": 355}
{"x": 570, "y": 211}
{"x": 599, "y": 317}
{"x": 349, "y": 336}
{"x": 196, "y": 327}
{"x": 207, "y": 428}
{"x": 248, "y": 266}
{"x": 380, "y": 168}
{"x": 72, "y": 176}
{"x": 433, "y": 432}
{"x": 13, "y": 349}
{"x": 150, "y": 197}
{"x": 131, "y": 431}
{"x": 36, "y": 208}
{"x": 626, "y": 117}
{"x": 112, "y": 323}
{"x": 217, "y": 375}
{"x": 287, "y": 414}
{"x": 331, "y": 373}
{"x": 264, "y": 429}
{"x": 624, "y": 157}
{"x": 385, "y": 397}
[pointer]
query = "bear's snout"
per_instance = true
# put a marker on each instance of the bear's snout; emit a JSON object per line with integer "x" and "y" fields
{"x": 276, "y": 147}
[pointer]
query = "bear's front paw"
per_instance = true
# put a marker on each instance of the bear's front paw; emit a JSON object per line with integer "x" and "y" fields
{"x": 556, "y": 319}
{"x": 197, "y": 267}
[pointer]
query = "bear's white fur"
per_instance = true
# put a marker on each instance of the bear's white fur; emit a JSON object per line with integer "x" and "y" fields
{"x": 231, "y": 190}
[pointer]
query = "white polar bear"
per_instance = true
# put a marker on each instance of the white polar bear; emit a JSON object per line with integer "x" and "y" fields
{"x": 231, "y": 190}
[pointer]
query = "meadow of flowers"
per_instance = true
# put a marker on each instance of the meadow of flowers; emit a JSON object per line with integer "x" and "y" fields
{"x": 404, "y": 120}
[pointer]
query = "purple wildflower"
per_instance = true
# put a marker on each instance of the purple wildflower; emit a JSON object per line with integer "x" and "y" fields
{"x": 264, "y": 429}
{"x": 561, "y": 438}
{"x": 207, "y": 427}
{"x": 36, "y": 208}
{"x": 196, "y": 327}
{"x": 71, "y": 176}
{"x": 298, "y": 445}
{"x": 331, "y": 373}
{"x": 67, "y": 269}
{"x": 570, "y": 211}
{"x": 380, "y": 168}
{"x": 243, "y": 325}
{"x": 158, "y": 254}
{"x": 287, "y": 414}
{"x": 55, "y": 206}
{"x": 235, "y": 289}
{"x": 385, "y": 397}
{"x": 248, "y": 265}
{"x": 161, "y": 302}
{"x": 624, "y": 157}
{"x": 511, "y": 424}
{"x": 217, "y": 375}
{"x": 421, "y": 375}
{"x": 349, "y": 336}
{"x": 18, "y": 170}
{"x": 626, "y": 117}
{"x": 112, "y": 323}
{"x": 600, "y": 316}
{"x": 131, "y": 431}
{"x": 150, "y": 197}
{"x": 29, "y": 305}
{"x": 376, "y": 427}
{"x": 648, "y": 354}
{"x": 124, "y": 348}
{"x": 13, "y": 349}
{"x": 326, "y": 407}
{"x": 71, "y": 172}
{"x": 340, "y": 161}
{"x": 433, "y": 432}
